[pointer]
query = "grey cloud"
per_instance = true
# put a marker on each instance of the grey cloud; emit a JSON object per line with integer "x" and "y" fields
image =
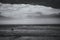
{"x": 16, "y": 10}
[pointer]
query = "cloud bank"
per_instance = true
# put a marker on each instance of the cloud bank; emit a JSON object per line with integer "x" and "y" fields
{"x": 17, "y": 10}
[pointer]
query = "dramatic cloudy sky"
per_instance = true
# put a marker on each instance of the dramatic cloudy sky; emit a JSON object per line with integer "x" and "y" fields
{"x": 16, "y": 10}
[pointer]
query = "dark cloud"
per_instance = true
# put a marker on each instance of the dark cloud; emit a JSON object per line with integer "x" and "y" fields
{"x": 52, "y": 3}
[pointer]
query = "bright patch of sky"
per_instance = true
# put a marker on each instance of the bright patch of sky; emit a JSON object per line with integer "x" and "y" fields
{"x": 16, "y": 10}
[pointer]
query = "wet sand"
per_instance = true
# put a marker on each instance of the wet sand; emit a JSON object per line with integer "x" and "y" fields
{"x": 30, "y": 38}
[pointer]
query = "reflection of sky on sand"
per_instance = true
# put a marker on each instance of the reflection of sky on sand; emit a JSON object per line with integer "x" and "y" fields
{"x": 31, "y": 21}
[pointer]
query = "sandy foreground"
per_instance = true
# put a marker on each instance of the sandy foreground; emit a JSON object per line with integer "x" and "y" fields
{"x": 30, "y": 38}
{"x": 31, "y": 30}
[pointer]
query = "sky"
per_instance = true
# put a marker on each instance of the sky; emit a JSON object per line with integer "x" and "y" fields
{"x": 52, "y": 3}
{"x": 17, "y": 10}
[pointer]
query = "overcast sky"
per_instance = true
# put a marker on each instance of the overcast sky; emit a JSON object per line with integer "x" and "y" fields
{"x": 52, "y": 3}
{"x": 20, "y": 9}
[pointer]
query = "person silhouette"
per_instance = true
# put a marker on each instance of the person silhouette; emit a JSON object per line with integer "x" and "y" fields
{"x": 12, "y": 29}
